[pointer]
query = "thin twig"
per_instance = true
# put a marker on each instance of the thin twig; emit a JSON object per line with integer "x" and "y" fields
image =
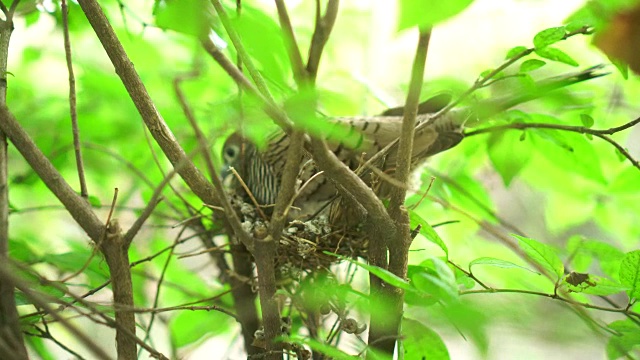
{"x": 385, "y": 326}
{"x": 299, "y": 71}
{"x": 482, "y": 82}
{"x": 324, "y": 25}
{"x": 156, "y": 198}
{"x": 249, "y": 193}
{"x": 156, "y": 296}
{"x": 94, "y": 250}
{"x": 242, "y": 52}
{"x": 72, "y": 100}
{"x": 602, "y": 134}
{"x": 42, "y": 301}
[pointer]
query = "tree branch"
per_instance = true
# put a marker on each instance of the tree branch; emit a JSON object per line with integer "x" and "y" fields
{"x": 602, "y": 134}
{"x": 483, "y": 81}
{"x": 324, "y": 25}
{"x": 72, "y": 101}
{"x": 385, "y": 327}
{"x": 299, "y": 71}
{"x": 8, "y": 276}
{"x": 208, "y": 193}
{"x": 10, "y": 332}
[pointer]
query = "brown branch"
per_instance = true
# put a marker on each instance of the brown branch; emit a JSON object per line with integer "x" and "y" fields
{"x": 278, "y": 116}
{"x": 208, "y": 193}
{"x": 10, "y": 332}
{"x": 158, "y": 285}
{"x": 267, "y": 289}
{"x": 94, "y": 249}
{"x": 93, "y": 311}
{"x": 72, "y": 101}
{"x": 42, "y": 301}
{"x": 155, "y": 199}
{"x": 385, "y": 326}
{"x": 242, "y": 52}
{"x": 624, "y": 311}
{"x": 378, "y": 225}
{"x": 602, "y": 134}
{"x": 324, "y": 25}
{"x": 203, "y": 144}
{"x": 243, "y": 295}
{"x": 287, "y": 184}
{"x": 117, "y": 257}
{"x": 299, "y": 71}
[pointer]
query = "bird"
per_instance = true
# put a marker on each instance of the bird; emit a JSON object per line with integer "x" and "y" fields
{"x": 260, "y": 169}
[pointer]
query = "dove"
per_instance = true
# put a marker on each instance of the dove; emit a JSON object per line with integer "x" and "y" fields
{"x": 436, "y": 131}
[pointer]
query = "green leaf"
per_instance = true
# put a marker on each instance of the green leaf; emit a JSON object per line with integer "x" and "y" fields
{"x": 555, "y": 54}
{"x": 620, "y": 345}
{"x": 172, "y": 14}
{"x": 186, "y": 326}
{"x": 508, "y": 154}
{"x": 39, "y": 347}
{"x": 384, "y": 274}
{"x": 515, "y": 51}
{"x": 630, "y": 274}
{"x": 23, "y": 250}
{"x": 467, "y": 193}
{"x": 498, "y": 263}
{"x": 626, "y": 182}
{"x": 576, "y": 152}
{"x": 421, "y": 342}
{"x": 531, "y": 64}
{"x": 623, "y": 67}
{"x": 607, "y": 255}
{"x": 548, "y": 36}
{"x": 621, "y": 157}
{"x": 95, "y": 201}
{"x": 542, "y": 254}
{"x": 93, "y": 264}
{"x": 436, "y": 279}
{"x": 426, "y": 13}
{"x": 587, "y": 120}
{"x": 427, "y": 231}
{"x": 262, "y": 38}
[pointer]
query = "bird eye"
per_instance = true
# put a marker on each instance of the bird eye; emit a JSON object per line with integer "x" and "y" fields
{"x": 230, "y": 153}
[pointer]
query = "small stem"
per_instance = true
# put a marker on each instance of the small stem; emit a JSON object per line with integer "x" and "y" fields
{"x": 72, "y": 101}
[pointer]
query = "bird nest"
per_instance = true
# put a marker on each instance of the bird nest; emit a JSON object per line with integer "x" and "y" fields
{"x": 307, "y": 244}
